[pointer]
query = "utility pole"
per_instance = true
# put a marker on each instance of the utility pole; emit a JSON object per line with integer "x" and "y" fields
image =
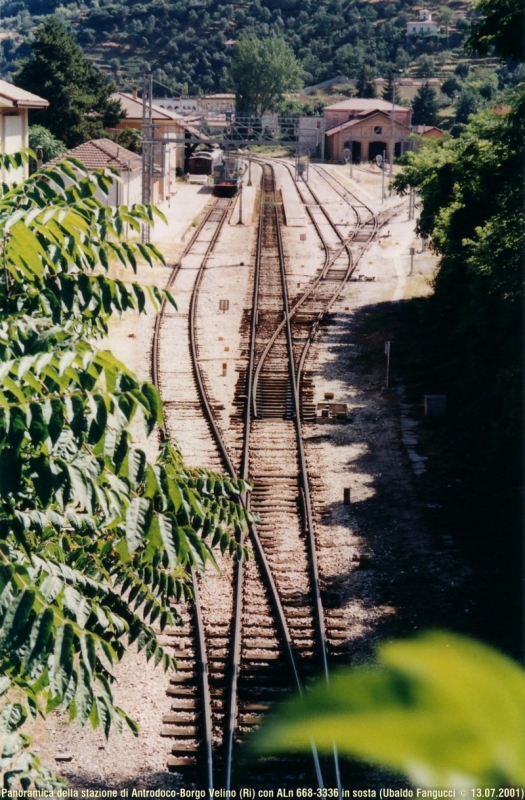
{"x": 147, "y": 149}
{"x": 249, "y": 169}
{"x": 392, "y": 123}
{"x": 240, "y": 222}
{"x": 383, "y": 177}
{"x": 388, "y": 350}
{"x": 412, "y": 203}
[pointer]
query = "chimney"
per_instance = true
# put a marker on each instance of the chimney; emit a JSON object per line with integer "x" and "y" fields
{"x": 135, "y": 93}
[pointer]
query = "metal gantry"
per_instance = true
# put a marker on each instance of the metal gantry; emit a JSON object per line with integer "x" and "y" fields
{"x": 147, "y": 148}
{"x": 235, "y": 131}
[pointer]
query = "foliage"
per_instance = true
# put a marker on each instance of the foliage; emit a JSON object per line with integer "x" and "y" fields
{"x": 96, "y": 543}
{"x": 130, "y": 138}
{"x": 425, "y": 106}
{"x": 293, "y": 108}
{"x": 426, "y": 66}
{"x": 446, "y": 16}
{"x": 445, "y": 711}
{"x": 364, "y": 85}
{"x": 501, "y": 28}
{"x": 261, "y": 71}
{"x": 391, "y": 88}
{"x": 451, "y": 85}
{"x": 41, "y": 137}
{"x": 185, "y": 46}
{"x": 473, "y": 210}
{"x": 80, "y": 104}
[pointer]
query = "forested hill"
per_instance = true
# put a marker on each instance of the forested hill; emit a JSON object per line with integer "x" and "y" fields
{"x": 187, "y": 43}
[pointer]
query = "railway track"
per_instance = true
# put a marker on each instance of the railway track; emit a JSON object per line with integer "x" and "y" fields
{"x": 224, "y": 680}
{"x": 278, "y": 634}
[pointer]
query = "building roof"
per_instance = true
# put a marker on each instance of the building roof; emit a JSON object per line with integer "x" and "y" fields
{"x": 363, "y": 104}
{"x": 363, "y": 118}
{"x": 133, "y": 108}
{"x": 223, "y": 96}
{"x": 100, "y": 153}
{"x": 422, "y": 129}
{"x": 19, "y": 98}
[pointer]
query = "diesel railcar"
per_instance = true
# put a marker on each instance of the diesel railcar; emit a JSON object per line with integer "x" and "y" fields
{"x": 203, "y": 162}
{"x": 227, "y": 176}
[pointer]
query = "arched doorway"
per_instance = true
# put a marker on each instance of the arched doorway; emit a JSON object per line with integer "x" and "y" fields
{"x": 377, "y": 149}
{"x": 356, "y": 151}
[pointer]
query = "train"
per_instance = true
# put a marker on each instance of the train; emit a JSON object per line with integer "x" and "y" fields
{"x": 203, "y": 162}
{"x": 227, "y": 175}
{"x": 224, "y": 169}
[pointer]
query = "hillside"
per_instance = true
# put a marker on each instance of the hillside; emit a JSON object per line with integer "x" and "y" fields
{"x": 187, "y": 43}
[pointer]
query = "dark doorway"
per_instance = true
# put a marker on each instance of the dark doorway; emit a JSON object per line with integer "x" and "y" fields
{"x": 377, "y": 149}
{"x": 398, "y": 150}
{"x": 356, "y": 151}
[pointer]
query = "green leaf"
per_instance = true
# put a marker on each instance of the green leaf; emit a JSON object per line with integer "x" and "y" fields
{"x": 443, "y": 710}
{"x": 138, "y": 517}
{"x": 155, "y": 404}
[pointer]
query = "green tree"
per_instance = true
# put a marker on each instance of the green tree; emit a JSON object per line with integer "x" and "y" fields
{"x": 501, "y": 28}
{"x": 41, "y": 137}
{"x": 261, "y": 71}
{"x": 425, "y": 106}
{"x": 390, "y": 88}
{"x": 80, "y": 104}
{"x": 130, "y": 138}
{"x": 451, "y": 85}
{"x": 96, "y": 542}
{"x": 468, "y": 102}
{"x": 364, "y": 86}
{"x": 446, "y": 17}
{"x": 426, "y": 66}
{"x": 473, "y": 211}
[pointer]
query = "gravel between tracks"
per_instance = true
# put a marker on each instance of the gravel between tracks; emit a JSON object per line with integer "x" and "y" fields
{"x": 364, "y": 548}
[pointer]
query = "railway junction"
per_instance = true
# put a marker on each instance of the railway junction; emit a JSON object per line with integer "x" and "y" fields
{"x": 264, "y": 374}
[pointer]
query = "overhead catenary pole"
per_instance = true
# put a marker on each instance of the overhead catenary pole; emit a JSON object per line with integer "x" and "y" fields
{"x": 392, "y": 122}
{"x": 392, "y": 125}
{"x": 147, "y": 148}
{"x": 383, "y": 177}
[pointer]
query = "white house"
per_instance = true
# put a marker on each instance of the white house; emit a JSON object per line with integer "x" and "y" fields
{"x": 14, "y": 107}
{"x": 423, "y": 25}
{"x": 100, "y": 153}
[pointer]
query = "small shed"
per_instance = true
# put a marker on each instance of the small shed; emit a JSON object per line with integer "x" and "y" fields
{"x": 100, "y": 153}
{"x": 429, "y": 132}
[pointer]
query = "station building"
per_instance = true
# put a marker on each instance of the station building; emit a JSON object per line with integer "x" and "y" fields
{"x": 367, "y": 127}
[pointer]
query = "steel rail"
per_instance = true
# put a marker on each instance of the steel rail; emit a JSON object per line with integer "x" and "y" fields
{"x": 305, "y": 296}
{"x": 201, "y": 642}
{"x": 295, "y": 382}
{"x": 281, "y": 618}
{"x": 285, "y": 632}
{"x": 378, "y": 218}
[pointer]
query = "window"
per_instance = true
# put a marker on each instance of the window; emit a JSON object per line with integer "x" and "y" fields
{"x": 378, "y": 129}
